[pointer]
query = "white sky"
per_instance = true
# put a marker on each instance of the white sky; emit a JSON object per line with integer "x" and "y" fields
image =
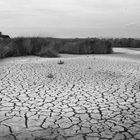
{"x": 70, "y": 18}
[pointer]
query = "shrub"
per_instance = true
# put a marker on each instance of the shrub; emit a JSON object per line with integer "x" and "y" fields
{"x": 37, "y": 44}
{"x": 100, "y": 46}
{"x": 49, "y": 47}
{"x": 60, "y": 62}
{"x": 23, "y": 46}
{"x": 126, "y": 43}
{"x": 6, "y": 49}
{"x": 135, "y": 44}
{"x": 50, "y": 75}
{"x": 48, "y": 52}
{"x": 87, "y": 46}
{"x": 108, "y": 45}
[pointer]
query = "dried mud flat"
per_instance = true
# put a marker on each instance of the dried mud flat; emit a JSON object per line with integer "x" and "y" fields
{"x": 86, "y": 98}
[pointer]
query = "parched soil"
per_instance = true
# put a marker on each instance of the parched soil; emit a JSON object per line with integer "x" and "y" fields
{"x": 95, "y": 97}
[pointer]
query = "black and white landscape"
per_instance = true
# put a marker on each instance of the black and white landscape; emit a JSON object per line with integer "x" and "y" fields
{"x": 83, "y": 83}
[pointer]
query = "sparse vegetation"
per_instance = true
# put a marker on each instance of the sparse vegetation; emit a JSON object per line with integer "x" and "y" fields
{"x": 50, "y": 75}
{"x": 60, "y": 62}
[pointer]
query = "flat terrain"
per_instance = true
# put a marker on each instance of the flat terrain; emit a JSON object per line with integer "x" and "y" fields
{"x": 89, "y": 97}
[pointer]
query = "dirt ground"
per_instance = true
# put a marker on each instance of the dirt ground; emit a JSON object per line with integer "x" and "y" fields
{"x": 88, "y": 97}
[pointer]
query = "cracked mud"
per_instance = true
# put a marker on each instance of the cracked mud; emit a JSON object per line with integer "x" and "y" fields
{"x": 87, "y": 98}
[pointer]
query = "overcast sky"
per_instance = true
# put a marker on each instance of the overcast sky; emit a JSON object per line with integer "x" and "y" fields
{"x": 70, "y": 18}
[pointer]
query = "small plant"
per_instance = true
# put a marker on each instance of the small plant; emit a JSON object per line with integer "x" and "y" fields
{"x": 60, "y": 62}
{"x": 50, "y": 75}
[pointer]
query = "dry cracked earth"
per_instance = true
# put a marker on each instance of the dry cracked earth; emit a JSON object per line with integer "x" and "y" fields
{"x": 86, "y": 98}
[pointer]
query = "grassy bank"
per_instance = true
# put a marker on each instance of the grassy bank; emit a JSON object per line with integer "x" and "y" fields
{"x": 51, "y": 47}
